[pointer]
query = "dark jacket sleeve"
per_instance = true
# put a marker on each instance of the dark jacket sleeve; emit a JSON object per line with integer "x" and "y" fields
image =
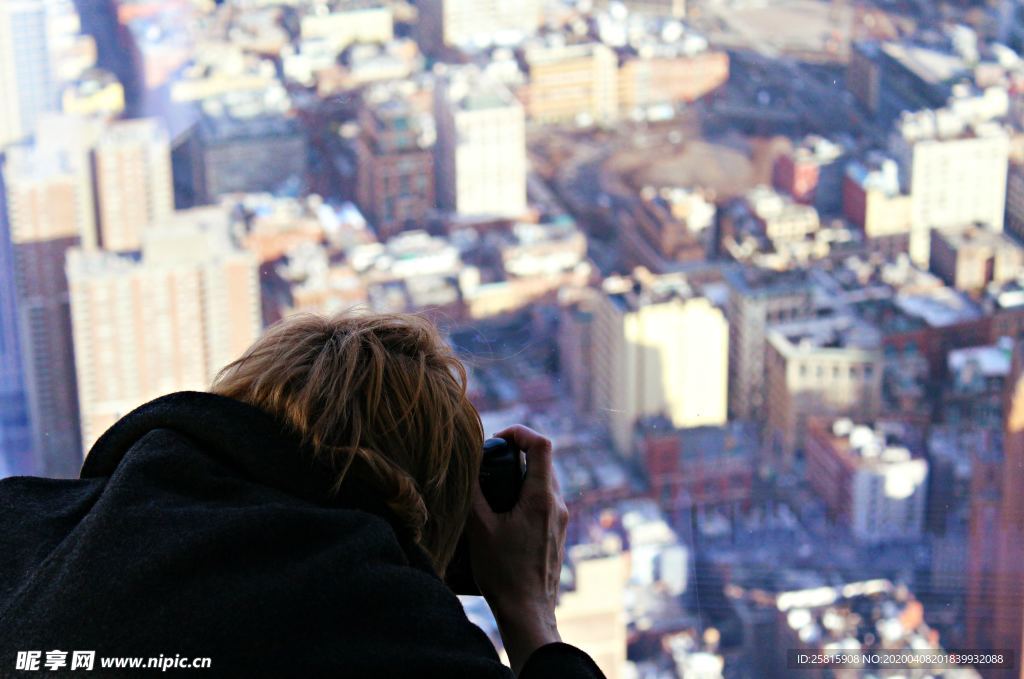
{"x": 560, "y": 661}
{"x": 427, "y": 626}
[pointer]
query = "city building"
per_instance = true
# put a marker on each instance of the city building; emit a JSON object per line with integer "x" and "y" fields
{"x": 1006, "y": 614}
{"x": 828, "y": 366}
{"x": 395, "y": 185}
{"x": 545, "y": 250}
{"x": 976, "y": 382}
{"x": 664, "y": 76}
{"x": 481, "y": 147}
{"x": 983, "y": 591}
{"x": 247, "y": 147}
{"x": 134, "y": 187}
{"x": 658, "y": 349}
{"x": 50, "y": 209}
{"x": 95, "y": 92}
{"x": 700, "y": 467}
{"x": 778, "y": 218}
{"x": 476, "y": 24}
{"x": 577, "y": 307}
{"x": 891, "y": 77}
{"x": 348, "y": 23}
{"x": 758, "y": 298}
{"x": 16, "y": 453}
{"x": 970, "y": 257}
{"x": 812, "y": 174}
{"x": 591, "y": 609}
{"x": 574, "y": 84}
{"x": 1015, "y": 201}
{"x": 954, "y": 169}
{"x": 863, "y": 75}
{"x": 859, "y": 618}
{"x": 675, "y": 9}
{"x": 665, "y": 226}
{"x": 873, "y": 200}
{"x": 163, "y": 320}
{"x": 27, "y": 87}
{"x": 867, "y": 477}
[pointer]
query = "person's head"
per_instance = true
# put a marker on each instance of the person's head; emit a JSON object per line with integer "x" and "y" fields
{"x": 380, "y": 397}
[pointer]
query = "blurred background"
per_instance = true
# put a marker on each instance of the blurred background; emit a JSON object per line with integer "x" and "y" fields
{"x": 755, "y": 266}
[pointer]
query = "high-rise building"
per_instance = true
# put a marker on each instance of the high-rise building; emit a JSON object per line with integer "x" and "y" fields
{"x": 395, "y": 183}
{"x": 476, "y": 24}
{"x": 249, "y": 147}
{"x": 26, "y": 81}
{"x": 162, "y": 320}
{"x": 572, "y": 83}
{"x": 1006, "y": 616}
{"x": 982, "y": 590}
{"x": 954, "y": 169}
{"x": 825, "y": 367}
{"x": 576, "y": 344}
{"x": 134, "y": 189}
{"x": 50, "y": 207}
{"x": 481, "y": 147}
{"x": 757, "y": 299}
{"x": 658, "y": 349}
{"x": 16, "y": 454}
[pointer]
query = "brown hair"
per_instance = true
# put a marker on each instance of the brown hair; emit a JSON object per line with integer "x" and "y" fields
{"x": 380, "y": 397}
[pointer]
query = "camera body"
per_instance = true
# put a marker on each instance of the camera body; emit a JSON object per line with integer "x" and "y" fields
{"x": 502, "y": 470}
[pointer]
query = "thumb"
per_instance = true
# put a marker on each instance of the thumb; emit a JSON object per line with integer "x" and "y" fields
{"x": 480, "y": 510}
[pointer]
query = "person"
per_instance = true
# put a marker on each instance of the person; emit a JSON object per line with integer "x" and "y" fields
{"x": 294, "y": 521}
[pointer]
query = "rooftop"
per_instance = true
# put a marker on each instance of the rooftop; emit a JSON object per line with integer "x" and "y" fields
{"x": 878, "y": 446}
{"x": 641, "y": 289}
{"x": 933, "y": 66}
{"x": 842, "y": 331}
{"x": 757, "y": 282}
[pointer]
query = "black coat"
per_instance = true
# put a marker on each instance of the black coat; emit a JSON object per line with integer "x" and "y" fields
{"x": 198, "y": 530}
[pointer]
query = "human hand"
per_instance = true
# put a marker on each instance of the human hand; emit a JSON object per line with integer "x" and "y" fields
{"x": 517, "y": 555}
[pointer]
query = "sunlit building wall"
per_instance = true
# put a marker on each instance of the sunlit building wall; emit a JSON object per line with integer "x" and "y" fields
{"x": 758, "y": 299}
{"x": 592, "y": 615}
{"x": 164, "y": 320}
{"x": 134, "y": 189}
{"x": 346, "y": 26}
{"x": 954, "y": 173}
{"x": 818, "y": 367}
{"x": 481, "y": 148}
{"x": 572, "y": 83}
{"x": 476, "y": 23}
{"x": 658, "y": 349}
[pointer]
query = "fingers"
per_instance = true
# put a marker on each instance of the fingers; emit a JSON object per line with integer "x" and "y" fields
{"x": 537, "y": 449}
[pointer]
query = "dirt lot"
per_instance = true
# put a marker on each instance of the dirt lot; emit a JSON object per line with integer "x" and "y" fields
{"x": 729, "y": 167}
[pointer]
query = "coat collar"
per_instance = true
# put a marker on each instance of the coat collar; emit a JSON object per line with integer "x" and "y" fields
{"x": 246, "y": 438}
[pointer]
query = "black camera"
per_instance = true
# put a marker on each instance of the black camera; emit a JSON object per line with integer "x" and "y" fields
{"x": 502, "y": 470}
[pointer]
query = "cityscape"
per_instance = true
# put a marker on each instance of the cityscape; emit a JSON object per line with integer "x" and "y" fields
{"x": 756, "y": 268}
